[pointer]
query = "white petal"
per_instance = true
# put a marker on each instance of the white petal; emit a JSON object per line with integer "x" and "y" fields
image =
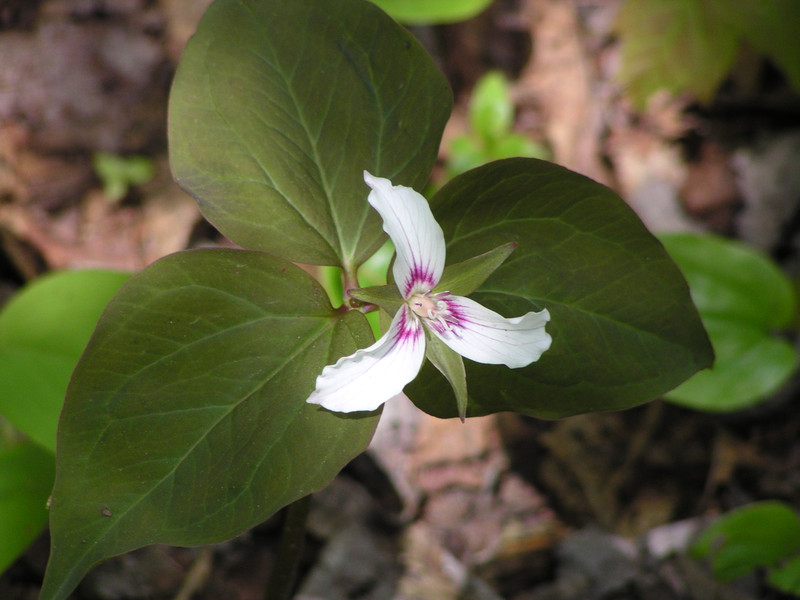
{"x": 371, "y": 376}
{"x": 416, "y": 235}
{"x": 482, "y": 335}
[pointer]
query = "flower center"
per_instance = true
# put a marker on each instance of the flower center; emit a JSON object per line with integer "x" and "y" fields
{"x": 423, "y": 306}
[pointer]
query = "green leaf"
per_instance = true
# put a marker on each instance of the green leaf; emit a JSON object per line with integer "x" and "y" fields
{"x": 768, "y": 27}
{"x": 26, "y": 478}
{"x": 43, "y": 330}
{"x": 674, "y": 45}
{"x": 186, "y": 419}
{"x": 118, "y": 173}
{"x": 278, "y": 107}
{"x": 426, "y": 12}
{"x": 491, "y": 112}
{"x": 759, "y": 534}
{"x": 787, "y": 576}
{"x": 517, "y": 144}
{"x": 465, "y": 154}
{"x": 742, "y": 297}
{"x": 732, "y": 281}
{"x": 623, "y": 326}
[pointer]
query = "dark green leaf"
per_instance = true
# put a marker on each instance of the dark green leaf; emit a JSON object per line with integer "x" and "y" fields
{"x": 26, "y": 478}
{"x": 277, "y": 109}
{"x": 623, "y": 326}
{"x": 759, "y": 534}
{"x": 426, "y": 12}
{"x": 186, "y": 419}
{"x": 43, "y": 331}
{"x": 742, "y": 297}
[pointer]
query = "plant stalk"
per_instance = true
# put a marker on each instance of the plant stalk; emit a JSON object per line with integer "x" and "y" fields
{"x": 284, "y": 571}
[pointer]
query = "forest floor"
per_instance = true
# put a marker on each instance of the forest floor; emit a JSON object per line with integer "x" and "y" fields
{"x": 596, "y": 506}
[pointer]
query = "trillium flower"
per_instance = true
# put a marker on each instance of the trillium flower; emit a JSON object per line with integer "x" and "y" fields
{"x": 371, "y": 376}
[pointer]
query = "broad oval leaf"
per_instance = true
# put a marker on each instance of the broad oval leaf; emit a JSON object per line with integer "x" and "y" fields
{"x": 26, "y": 478}
{"x": 186, "y": 419}
{"x": 624, "y": 328}
{"x": 43, "y": 330}
{"x": 278, "y": 107}
{"x": 742, "y": 297}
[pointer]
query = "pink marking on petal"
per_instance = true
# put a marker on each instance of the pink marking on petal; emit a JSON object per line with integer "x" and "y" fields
{"x": 420, "y": 280}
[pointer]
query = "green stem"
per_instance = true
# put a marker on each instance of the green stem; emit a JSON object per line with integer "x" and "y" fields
{"x": 284, "y": 571}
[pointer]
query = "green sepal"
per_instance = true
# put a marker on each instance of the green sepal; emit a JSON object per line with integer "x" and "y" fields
{"x": 461, "y": 279}
{"x": 385, "y": 296}
{"x": 451, "y": 365}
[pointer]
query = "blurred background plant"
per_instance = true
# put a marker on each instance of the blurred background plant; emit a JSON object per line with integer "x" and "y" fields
{"x": 43, "y": 331}
{"x": 762, "y": 535}
{"x": 490, "y": 136}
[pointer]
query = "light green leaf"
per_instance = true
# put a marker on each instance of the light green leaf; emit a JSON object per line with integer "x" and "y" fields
{"x": 43, "y": 330}
{"x": 517, "y": 144}
{"x": 623, "y": 326}
{"x": 759, "y": 534}
{"x": 118, "y": 173}
{"x": 742, "y": 297}
{"x": 428, "y": 12}
{"x": 278, "y": 107}
{"x": 674, "y": 45}
{"x": 491, "y": 112}
{"x": 26, "y": 478}
{"x": 186, "y": 419}
{"x": 464, "y": 154}
{"x": 732, "y": 281}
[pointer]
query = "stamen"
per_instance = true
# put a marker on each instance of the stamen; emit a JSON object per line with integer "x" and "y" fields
{"x": 422, "y": 306}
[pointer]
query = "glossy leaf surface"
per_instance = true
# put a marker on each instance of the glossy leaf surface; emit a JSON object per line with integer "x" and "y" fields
{"x": 26, "y": 478}
{"x": 43, "y": 330}
{"x": 277, "y": 109}
{"x": 743, "y": 299}
{"x": 185, "y": 421}
{"x": 623, "y": 326}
